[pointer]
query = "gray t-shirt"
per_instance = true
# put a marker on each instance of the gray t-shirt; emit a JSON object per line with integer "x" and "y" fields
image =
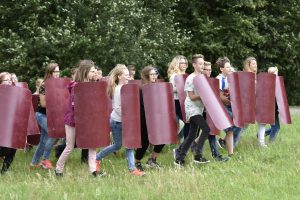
{"x": 116, "y": 105}
{"x": 192, "y": 108}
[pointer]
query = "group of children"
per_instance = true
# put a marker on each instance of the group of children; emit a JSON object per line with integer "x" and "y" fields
{"x": 195, "y": 131}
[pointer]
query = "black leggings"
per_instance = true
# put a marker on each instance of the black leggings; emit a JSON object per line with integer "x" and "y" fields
{"x": 196, "y": 122}
{"x": 140, "y": 152}
{"x": 9, "y": 154}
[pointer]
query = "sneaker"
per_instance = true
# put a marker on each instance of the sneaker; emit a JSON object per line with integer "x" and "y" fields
{"x": 137, "y": 172}
{"x": 98, "y": 162}
{"x": 139, "y": 166}
{"x": 151, "y": 163}
{"x": 220, "y": 158}
{"x": 179, "y": 163}
{"x": 99, "y": 174}
{"x": 200, "y": 160}
{"x": 221, "y": 143}
{"x": 263, "y": 145}
{"x": 58, "y": 174}
{"x": 46, "y": 164}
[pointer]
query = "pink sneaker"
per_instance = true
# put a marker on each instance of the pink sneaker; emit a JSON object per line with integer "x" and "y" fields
{"x": 46, "y": 164}
{"x": 137, "y": 172}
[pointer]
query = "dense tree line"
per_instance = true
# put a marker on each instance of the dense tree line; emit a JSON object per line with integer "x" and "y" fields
{"x": 142, "y": 32}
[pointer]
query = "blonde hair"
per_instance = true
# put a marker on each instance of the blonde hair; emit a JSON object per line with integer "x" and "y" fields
{"x": 246, "y": 65}
{"x": 113, "y": 79}
{"x": 2, "y": 76}
{"x": 206, "y": 63}
{"x": 174, "y": 65}
{"x": 273, "y": 70}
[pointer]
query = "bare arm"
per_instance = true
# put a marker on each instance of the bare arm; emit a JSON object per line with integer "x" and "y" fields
{"x": 43, "y": 100}
{"x": 193, "y": 96}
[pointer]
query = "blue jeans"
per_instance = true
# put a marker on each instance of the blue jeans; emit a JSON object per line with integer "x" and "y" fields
{"x": 273, "y": 131}
{"x": 45, "y": 144}
{"x": 213, "y": 146}
{"x": 116, "y": 129}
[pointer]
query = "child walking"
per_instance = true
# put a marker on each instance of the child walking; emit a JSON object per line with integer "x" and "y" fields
{"x": 84, "y": 73}
{"x": 119, "y": 76}
{"x": 194, "y": 109}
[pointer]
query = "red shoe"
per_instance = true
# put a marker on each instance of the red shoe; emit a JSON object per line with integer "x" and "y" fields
{"x": 46, "y": 164}
{"x": 137, "y": 172}
{"x": 35, "y": 166}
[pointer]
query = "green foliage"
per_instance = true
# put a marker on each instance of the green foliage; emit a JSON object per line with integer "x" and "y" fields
{"x": 108, "y": 32}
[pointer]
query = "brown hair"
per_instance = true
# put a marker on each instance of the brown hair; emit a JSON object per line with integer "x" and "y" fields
{"x": 145, "y": 74}
{"x": 196, "y": 56}
{"x": 206, "y": 63}
{"x": 82, "y": 70}
{"x": 221, "y": 62}
{"x": 49, "y": 70}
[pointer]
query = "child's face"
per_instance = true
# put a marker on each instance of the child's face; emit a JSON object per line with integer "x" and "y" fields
{"x": 56, "y": 73}
{"x": 253, "y": 66}
{"x": 7, "y": 80}
{"x": 207, "y": 70}
{"x": 124, "y": 77}
{"x": 226, "y": 70}
{"x": 91, "y": 74}
{"x": 182, "y": 65}
{"x": 199, "y": 65}
{"x": 153, "y": 76}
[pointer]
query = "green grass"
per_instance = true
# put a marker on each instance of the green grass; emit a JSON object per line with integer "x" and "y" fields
{"x": 253, "y": 173}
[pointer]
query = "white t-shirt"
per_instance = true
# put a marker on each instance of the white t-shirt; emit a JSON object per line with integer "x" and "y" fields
{"x": 116, "y": 114}
{"x": 172, "y": 80}
{"x": 192, "y": 108}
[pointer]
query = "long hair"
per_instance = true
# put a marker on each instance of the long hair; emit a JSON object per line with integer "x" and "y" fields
{"x": 246, "y": 65}
{"x": 174, "y": 65}
{"x": 2, "y": 76}
{"x": 49, "y": 70}
{"x": 145, "y": 74}
{"x": 82, "y": 70}
{"x": 113, "y": 79}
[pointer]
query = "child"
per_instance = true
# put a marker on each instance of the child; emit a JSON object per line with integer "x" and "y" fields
{"x": 119, "y": 76}
{"x": 223, "y": 64}
{"x": 176, "y": 67}
{"x": 84, "y": 73}
{"x": 250, "y": 65}
{"x": 273, "y": 131}
{"x": 211, "y": 138}
{"x": 7, "y": 153}
{"x": 149, "y": 75}
{"x": 45, "y": 144}
{"x": 194, "y": 109}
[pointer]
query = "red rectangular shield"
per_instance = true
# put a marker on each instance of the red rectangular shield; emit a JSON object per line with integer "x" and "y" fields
{"x": 215, "y": 86}
{"x": 265, "y": 98}
{"x": 91, "y": 115}
{"x": 15, "y": 103}
{"x": 282, "y": 102}
{"x": 131, "y": 119}
{"x": 180, "y": 81}
{"x": 235, "y": 99}
{"x": 212, "y": 103}
{"x": 57, "y": 95}
{"x": 160, "y": 113}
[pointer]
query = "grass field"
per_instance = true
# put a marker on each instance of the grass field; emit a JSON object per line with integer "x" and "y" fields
{"x": 253, "y": 173}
